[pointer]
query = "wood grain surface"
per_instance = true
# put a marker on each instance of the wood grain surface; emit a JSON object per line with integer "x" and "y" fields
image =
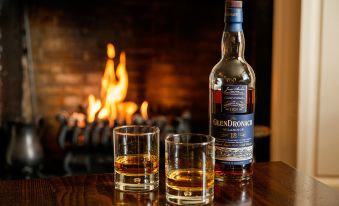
{"x": 274, "y": 183}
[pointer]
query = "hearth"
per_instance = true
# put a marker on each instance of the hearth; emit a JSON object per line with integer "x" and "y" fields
{"x": 86, "y": 138}
{"x": 166, "y": 48}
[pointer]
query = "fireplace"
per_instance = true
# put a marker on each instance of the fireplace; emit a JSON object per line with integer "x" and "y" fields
{"x": 169, "y": 47}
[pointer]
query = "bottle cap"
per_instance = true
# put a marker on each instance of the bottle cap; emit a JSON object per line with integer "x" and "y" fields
{"x": 233, "y": 4}
{"x": 233, "y": 15}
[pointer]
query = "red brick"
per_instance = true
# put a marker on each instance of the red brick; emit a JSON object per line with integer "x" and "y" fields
{"x": 94, "y": 89}
{"x": 69, "y": 78}
{"x": 73, "y": 101}
{"x": 94, "y": 78}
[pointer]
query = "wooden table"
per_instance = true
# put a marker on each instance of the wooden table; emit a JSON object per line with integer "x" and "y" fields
{"x": 274, "y": 183}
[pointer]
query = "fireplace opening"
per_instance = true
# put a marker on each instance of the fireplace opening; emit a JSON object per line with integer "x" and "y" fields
{"x": 56, "y": 67}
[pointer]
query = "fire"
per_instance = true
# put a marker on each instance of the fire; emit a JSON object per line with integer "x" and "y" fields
{"x": 126, "y": 111}
{"x": 93, "y": 108}
{"x": 143, "y": 110}
{"x": 113, "y": 92}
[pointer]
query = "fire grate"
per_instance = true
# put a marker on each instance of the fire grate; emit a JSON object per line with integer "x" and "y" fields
{"x": 89, "y": 148}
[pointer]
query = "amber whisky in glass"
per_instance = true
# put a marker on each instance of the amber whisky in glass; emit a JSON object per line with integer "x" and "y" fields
{"x": 190, "y": 179}
{"x": 189, "y": 162}
{"x": 137, "y": 165}
{"x": 136, "y": 158}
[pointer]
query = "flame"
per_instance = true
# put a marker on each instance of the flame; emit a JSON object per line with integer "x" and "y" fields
{"x": 110, "y": 51}
{"x": 114, "y": 85}
{"x": 126, "y": 111}
{"x": 117, "y": 91}
{"x": 77, "y": 119}
{"x": 143, "y": 110}
{"x": 93, "y": 107}
{"x": 103, "y": 114}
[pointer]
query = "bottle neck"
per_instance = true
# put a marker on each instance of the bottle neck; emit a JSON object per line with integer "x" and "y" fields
{"x": 233, "y": 43}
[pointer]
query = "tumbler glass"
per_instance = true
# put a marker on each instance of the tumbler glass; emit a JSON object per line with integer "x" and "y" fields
{"x": 189, "y": 162}
{"x": 136, "y": 158}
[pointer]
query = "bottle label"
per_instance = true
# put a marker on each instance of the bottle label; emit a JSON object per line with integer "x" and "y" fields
{"x": 234, "y": 98}
{"x": 233, "y": 15}
{"x": 234, "y": 138}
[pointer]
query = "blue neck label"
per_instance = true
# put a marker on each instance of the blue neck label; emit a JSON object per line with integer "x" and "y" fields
{"x": 233, "y": 19}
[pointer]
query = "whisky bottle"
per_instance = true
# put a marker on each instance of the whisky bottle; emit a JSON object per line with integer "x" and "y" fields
{"x": 231, "y": 102}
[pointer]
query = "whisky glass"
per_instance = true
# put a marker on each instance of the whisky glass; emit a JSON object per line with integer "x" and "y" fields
{"x": 189, "y": 162}
{"x": 136, "y": 158}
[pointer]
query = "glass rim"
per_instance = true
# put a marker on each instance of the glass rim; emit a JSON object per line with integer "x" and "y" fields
{"x": 154, "y": 128}
{"x": 211, "y": 139}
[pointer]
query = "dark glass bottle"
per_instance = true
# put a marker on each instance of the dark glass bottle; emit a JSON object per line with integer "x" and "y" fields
{"x": 231, "y": 103}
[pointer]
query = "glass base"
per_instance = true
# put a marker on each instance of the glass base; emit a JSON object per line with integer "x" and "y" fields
{"x": 233, "y": 178}
{"x": 136, "y": 183}
{"x": 187, "y": 197}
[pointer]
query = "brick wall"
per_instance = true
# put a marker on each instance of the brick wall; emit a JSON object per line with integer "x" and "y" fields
{"x": 171, "y": 46}
{"x": 170, "y": 49}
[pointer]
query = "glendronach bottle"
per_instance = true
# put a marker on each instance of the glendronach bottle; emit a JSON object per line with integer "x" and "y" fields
{"x": 231, "y": 102}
